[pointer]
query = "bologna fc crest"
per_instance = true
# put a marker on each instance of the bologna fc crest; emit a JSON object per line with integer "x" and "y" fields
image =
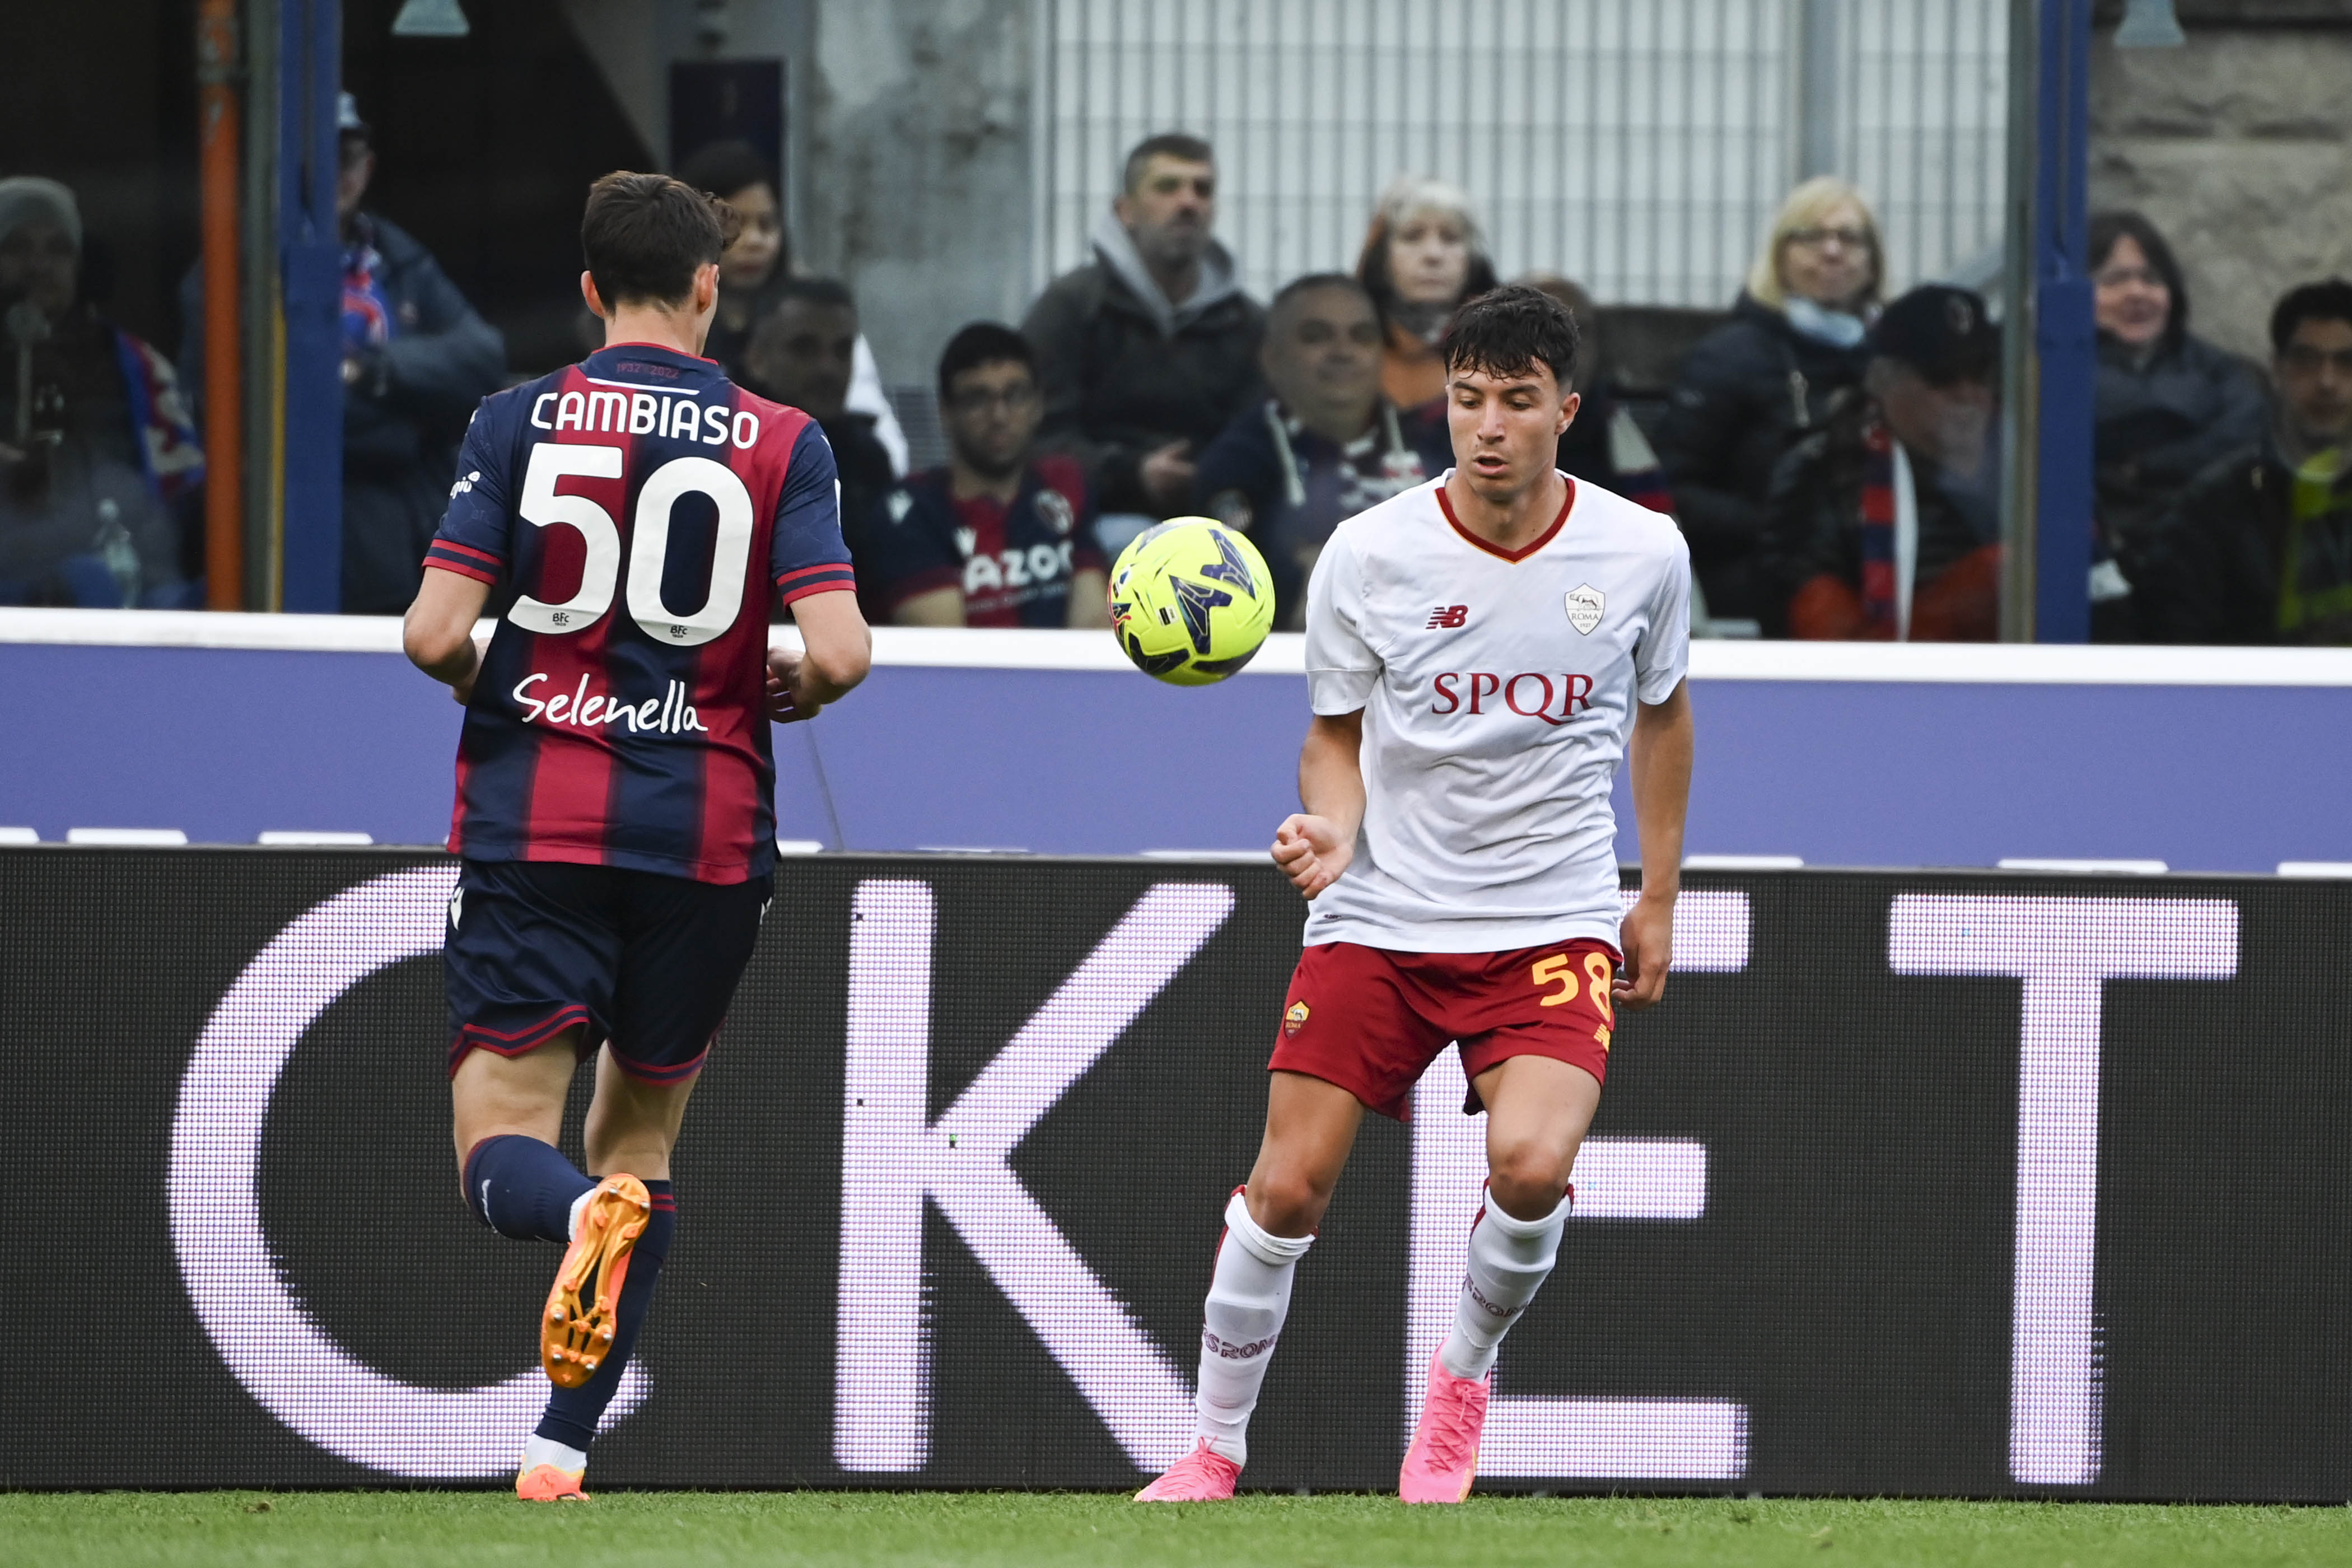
{"x": 1055, "y": 508}
{"x": 1584, "y": 607}
{"x": 1295, "y": 1019}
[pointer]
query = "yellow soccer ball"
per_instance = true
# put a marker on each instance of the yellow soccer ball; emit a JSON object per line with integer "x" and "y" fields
{"x": 1191, "y": 601}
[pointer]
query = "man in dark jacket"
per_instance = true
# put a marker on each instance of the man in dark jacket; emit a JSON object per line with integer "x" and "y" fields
{"x": 1148, "y": 350}
{"x": 416, "y": 359}
{"x": 2259, "y": 548}
{"x": 1886, "y": 524}
{"x": 804, "y": 353}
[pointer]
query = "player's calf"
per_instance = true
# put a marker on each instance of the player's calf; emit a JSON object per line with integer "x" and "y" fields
{"x": 1249, "y": 1298}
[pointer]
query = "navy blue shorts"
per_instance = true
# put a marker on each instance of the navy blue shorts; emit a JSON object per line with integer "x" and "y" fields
{"x": 648, "y": 962}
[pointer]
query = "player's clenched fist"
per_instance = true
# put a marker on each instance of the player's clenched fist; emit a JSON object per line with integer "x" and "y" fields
{"x": 1312, "y": 852}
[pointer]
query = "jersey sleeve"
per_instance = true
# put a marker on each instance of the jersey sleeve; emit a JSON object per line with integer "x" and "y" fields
{"x": 808, "y": 555}
{"x": 473, "y": 538}
{"x": 1664, "y": 657}
{"x": 1341, "y": 667}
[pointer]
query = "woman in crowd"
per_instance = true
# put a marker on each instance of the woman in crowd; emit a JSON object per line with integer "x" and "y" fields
{"x": 753, "y": 273}
{"x": 2167, "y": 405}
{"x": 1423, "y": 258}
{"x": 1791, "y": 353}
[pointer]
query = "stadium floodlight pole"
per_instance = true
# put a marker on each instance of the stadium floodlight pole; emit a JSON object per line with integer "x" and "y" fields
{"x": 219, "y": 72}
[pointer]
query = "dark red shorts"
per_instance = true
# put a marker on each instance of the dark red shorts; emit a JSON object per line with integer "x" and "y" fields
{"x": 1372, "y": 1021}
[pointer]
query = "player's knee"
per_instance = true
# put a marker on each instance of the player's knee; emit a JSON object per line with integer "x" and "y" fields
{"x": 1286, "y": 1203}
{"x": 1527, "y": 1181}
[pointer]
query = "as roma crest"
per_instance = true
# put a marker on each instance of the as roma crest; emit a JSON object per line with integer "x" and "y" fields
{"x": 1584, "y": 607}
{"x": 1295, "y": 1019}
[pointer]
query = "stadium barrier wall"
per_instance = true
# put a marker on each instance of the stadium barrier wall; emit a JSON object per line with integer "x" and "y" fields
{"x": 225, "y": 727}
{"x": 1923, "y": 1184}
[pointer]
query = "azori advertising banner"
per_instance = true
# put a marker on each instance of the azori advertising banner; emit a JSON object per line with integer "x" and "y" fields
{"x": 1916, "y": 1183}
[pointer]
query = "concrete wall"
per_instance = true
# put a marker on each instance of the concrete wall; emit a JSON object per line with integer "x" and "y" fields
{"x": 2238, "y": 147}
{"x": 909, "y": 132}
{"x": 916, "y": 178}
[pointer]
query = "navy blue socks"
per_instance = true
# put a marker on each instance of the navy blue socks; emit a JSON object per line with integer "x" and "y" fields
{"x": 524, "y": 1188}
{"x": 573, "y": 1412}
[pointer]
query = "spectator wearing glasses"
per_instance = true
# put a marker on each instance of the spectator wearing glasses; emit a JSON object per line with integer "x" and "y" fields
{"x": 1422, "y": 258}
{"x": 2167, "y": 405}
{"x": 1884, "y": 524}
{"x": 1328, "y": 443}
{"x": 1002, "y": 535}
{"x": 753, "y": 271}
{"x": 1145, "y": 352}
{"x": 100, "y": 467}
{"x": 2259, "y": 548}
{"x": 1791, "y": 354}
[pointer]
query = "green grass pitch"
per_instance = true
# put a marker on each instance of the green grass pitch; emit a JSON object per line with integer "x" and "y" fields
{"x": 642, "y": 1529}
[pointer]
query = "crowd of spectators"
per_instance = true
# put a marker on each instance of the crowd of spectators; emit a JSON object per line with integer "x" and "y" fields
{"x": 1832, "y": 455}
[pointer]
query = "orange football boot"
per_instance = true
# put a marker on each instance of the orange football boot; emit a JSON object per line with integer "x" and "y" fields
{"x": 584, "y": 1306}
{"x": 545, "y": 1483}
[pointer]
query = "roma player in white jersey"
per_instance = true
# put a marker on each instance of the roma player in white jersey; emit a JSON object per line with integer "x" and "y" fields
{"x": 1479, "y": 649}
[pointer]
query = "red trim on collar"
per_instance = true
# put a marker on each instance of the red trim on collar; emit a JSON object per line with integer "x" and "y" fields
{"x": 1524, "y": 551}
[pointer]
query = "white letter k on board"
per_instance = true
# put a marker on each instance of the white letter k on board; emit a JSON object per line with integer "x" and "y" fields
{"x": 893, "y": 1157}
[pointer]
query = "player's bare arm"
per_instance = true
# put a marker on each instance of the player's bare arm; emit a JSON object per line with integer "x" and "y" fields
{"x": 836, "y": 650}
{"x": 1660, "y": 754}
{"x": 1313, "y": 847}
{"x": 438, "y": 633}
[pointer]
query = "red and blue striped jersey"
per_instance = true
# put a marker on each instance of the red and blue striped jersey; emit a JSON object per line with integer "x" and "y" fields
{"x": 636, "y": 514}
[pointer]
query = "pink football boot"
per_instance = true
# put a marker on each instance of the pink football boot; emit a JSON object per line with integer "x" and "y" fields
{"x": 1201, "y": 1476}
{"x": 1444, "y": 1458}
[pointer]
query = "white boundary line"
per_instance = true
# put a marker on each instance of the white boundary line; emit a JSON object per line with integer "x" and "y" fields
{"x": 1988, "y": 664}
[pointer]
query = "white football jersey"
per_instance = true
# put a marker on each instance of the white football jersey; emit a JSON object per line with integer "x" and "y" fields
{"x": 1497, "y": 691}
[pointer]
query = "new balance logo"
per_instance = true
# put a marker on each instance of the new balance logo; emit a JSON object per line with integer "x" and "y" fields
{"x": 1448, "y": 617}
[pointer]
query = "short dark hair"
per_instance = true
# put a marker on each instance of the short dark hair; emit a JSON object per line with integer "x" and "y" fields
{"x": 984, "y": 342}
{"x": 2107, "y": 228}
{"x": 816, "y": 291}
{"x": 1506, "y": 331}
{"x": 1167, "y": 144}
{"x": 2329, "y": 300}
{"x": 645, "y": 236}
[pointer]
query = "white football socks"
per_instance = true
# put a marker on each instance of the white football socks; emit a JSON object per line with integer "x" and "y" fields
{"x": 1248, "y": 1298}
{"x": 579, "y": 1204}
{"x": 1509, "y": 1260}
{"x": 538, "y": 1450}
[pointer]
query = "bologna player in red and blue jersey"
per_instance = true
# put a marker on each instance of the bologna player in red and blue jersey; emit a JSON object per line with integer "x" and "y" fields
{"x": 630, "y": 521}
